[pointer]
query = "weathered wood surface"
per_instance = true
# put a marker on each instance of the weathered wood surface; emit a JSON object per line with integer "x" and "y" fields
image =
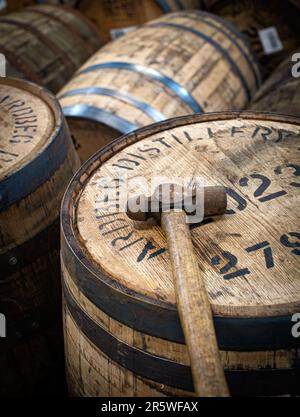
{"x": 122, "y": 331}
{"x": 281, "y": 91}
{"x": 46, "y": 44}
{"x": 37, "y": 160}
{"x": 251, "y": 16}
{"x": 179, "y": 64}
{"x": 115, "y": 17}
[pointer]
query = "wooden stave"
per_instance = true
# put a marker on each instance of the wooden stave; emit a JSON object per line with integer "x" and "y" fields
{"x": 108, "y": 20}
{"x": 78, "y": 111}
{"x": 27, "y": 24}
{"x": 80, "y": 271}
{"x": 165, "y": 377}
{"x": 279, "y": 92}
{"x": 268, "y": 63}
{"x": 32, "y": 307}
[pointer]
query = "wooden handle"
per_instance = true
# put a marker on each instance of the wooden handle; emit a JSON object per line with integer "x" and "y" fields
{"x": 194, "y": 309}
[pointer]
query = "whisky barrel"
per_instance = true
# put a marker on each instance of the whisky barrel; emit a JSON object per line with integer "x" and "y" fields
{"x": 114, "y": 18}
{"x": 281, "y": 91}
{"x": 13, "y": 5}
{"x": 179, "y": 64}
{"x": 46, "y": 44}
{"x": 253, "y": 17}
{"x": 122, "y": 331}
{"x": 37, "y": 160}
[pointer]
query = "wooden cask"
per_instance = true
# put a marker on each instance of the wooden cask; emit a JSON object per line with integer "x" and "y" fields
{"x": 281, "y": 91}
{"x": 179, "y": 64}
{"x": 253, "y": 16}
{"x": 46, "y": 44}
{"x": 13, "y": 5}
{"x": 122, "y": 331}
{"x": 116, "y": 17}
{"x": 37, "y": 160}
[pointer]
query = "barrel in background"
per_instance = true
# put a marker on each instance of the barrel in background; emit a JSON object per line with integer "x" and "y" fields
{"x": 280, "y": 93}
{"x": 122, "y": 330}
{"x": 46, "y": 44}
{"x": 279, "y": 21}
{"x": 116, "y": 17}
{"x": 37, "y": 160}
{"x": 13, "y": 5}
{"x": 181, "y": 63}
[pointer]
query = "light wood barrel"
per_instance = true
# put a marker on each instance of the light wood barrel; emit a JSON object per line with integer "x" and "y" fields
{"x": 252, "y": 16}
{"x": 116, "y": 17}
{"x": 122, "y": 331}
{"x": 46, "y": 44}
{"x": 37, "y": 160}
{"x": 281, "y": 92}
{"x": 182, "y": 63}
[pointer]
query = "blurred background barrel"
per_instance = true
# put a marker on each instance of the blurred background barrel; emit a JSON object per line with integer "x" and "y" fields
{"x": 182, "y": 63}
{"x": 272, "y": 26}
{"x": 116, "y": 17}
{"x": 13, "y": 5}
{"x": 46, "y": 44}
{"x": 122, "y": 331}
{"x": 281, "y": 91}
{"x": 37, "y": 160}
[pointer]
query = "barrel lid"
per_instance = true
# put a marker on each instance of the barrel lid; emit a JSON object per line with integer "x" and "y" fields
{"x": 27, "y": 124}
{"x": 34, "y": 139}
{"x": 249, "y": 258}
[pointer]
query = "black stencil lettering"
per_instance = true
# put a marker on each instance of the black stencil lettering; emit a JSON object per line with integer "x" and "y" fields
{"x": 265, "y": 184}
{"x": 211, "y": 134}
{"x": 162, "y": 141}
{"x": 150, "y": 150}
{"x": 136, "y": 156}
{"x": 102, "y": 216}
{"x": 125, "y": 238}
{"x": 126, "y": 160}
{"x": 8, "y": 153}
{"x": 267, "y": 252}
{"x": 232, "y": 262}
{"x": 188, "y": 136}
{"x": 102, "y": 226}
{"x": 147, "y": 248}
{"x": 235, "y": 130}
{"x": 115, "y": 230}
{"x": 279, "y": 170}
{"x": 176, "y": 138}
{"x": 241, "y": 202}
{"x": 282, "y": 134}
{"x": 287, "y": 242}
{"x": 264, "y": 134}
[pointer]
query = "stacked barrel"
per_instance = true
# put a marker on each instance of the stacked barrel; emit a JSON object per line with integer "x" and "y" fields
{"x": 46, "y": 44}
{"x": 93, "y": 278}
{"x": 182, "y": 63}
{"x": 37, "y": 160}
{"x": 272, "y": 26}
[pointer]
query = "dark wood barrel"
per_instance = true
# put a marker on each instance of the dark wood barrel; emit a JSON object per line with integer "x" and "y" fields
{"x": 182, "y": 63}
{"x": 281, "y": 91}
{"x": 279, "y": 21}
{"x": 122, "y": 331}
{"x": 37, "y": 160}
{"x": 116, "y": 17}
{"x": 46, "y": 44}
{"x": 13, "y": 5}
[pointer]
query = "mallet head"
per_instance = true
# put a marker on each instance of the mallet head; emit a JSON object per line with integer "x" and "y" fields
{"x": 169, "y": 197}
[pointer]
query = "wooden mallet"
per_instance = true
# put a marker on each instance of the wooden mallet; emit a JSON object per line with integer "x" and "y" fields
{"x": 169, "y": 207}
